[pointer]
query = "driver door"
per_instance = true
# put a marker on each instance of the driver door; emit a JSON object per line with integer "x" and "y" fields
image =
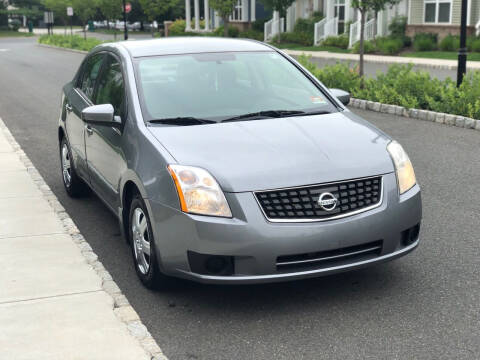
{"x": 103, "y": 143}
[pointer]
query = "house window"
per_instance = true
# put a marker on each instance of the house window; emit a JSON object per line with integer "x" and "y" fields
{"x": 438, "y": 11}
{"x": 237, "y": 11}
{"x": 339, "y": 7}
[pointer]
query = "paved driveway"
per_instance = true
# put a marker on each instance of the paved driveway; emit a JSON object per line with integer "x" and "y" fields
{"x": 423, "y": 306}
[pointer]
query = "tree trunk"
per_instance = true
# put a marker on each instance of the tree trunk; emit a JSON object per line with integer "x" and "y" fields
{"x": 225, "y": 26}
{"x": 361, "y": 49}
{"x": 85, "y": 31}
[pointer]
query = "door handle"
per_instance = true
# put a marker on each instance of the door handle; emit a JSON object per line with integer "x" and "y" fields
{"x": 68, "y": 107}
{"x": 89, "y": 129}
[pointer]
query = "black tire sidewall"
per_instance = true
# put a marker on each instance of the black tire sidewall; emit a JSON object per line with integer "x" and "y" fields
{"x": 152, "y": 277}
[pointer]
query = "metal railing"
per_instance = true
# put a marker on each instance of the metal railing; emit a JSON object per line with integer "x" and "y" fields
{"x": 270, "y": 28}
{"x": 325, "y": 28}
{"x": 370, "y": 31}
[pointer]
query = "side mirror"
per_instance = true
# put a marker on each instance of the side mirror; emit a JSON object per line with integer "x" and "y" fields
{"x": 341, "y": 95}
{"x": 101, "y": 115}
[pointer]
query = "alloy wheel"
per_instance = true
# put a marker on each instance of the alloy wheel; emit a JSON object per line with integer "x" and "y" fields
{"x": 141, "y": 240}
{"x": 66, "y": 166}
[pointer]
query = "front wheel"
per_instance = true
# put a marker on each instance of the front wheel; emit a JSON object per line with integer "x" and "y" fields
{"x": 143, "y": 246}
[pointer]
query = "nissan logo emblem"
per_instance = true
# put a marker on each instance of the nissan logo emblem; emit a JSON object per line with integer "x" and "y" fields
{"x": 327, "y": 201}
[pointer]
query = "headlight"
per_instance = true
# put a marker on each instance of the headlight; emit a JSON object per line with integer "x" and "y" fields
{"x": 198, "y": 191}
{"x": 403, "y": 166}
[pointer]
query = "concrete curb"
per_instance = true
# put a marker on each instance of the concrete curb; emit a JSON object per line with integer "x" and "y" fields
{"x": 62, "y": 48}
{"x": 383, "y": 59}
{"x": 122, "y": 308}
{"x": 425, "y": 115}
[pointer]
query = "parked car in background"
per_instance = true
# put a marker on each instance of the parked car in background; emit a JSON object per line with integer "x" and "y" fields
{"x": 226, "y": 161}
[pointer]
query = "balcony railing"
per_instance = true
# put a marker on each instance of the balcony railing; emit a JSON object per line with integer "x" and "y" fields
{"x": 270, "y": 28}
{"x": 370, "y": 31}
{"x": 325, "y": 28}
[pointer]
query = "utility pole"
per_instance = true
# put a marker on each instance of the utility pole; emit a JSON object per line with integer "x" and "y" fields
{"x": 125, "y": 30}
{"x": 462, "y": 52}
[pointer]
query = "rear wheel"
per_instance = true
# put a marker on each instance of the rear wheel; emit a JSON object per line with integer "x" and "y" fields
{"x": 74, "y": 185}
{"x": 143, "y": 246}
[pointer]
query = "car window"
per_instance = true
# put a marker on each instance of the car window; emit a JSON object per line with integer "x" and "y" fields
{"x": 221, "y": 85}
{"x": 90, "y": 74}
{"x": 111, "y": 89}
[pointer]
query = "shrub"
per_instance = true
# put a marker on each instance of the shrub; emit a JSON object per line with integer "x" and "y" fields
{"x": 232, "y": 31}
{"x": 295, "y": 37}
{"x": 177, "y": 28}
{"x": 389, "y": 45}
{"x": 400, "y": 85}
{"x": 475, "y": 45}
{"x": 72, "y": 42}
{"x": 258, "y": 25}
{"x": 336, "y": 41}
{"x": 368, "y": 47}
{"x": 449, "y": 43}
{"x": 425, "y": 42}
{"x": 251, "y": 34}
{"x": 398, "y": 26}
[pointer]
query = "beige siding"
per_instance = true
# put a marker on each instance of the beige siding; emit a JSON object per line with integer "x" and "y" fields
{"x": 416, "y": 12}
{"x": 456, "y": 11}
{"x": 475, "y": 12}
{"x": 417, "y": 8}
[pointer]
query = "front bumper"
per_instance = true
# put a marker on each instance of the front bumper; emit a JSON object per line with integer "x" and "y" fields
{"x": 256, "y": 243}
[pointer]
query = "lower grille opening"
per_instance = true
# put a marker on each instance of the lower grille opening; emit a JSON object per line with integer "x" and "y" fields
{"x": 410, "y": 235}
{"x": 321, "y": 259}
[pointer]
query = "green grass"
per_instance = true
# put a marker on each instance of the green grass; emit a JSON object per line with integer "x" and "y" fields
{"x": 446, "y": 55}
{"x": 70, "y": 42}
{"x": 6, "y": 33}
{"x": 291, "y": 46}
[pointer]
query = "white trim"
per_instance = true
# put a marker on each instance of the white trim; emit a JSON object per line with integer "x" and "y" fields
{"x": 437, "y": 8}
{"x": 469, "y": 13}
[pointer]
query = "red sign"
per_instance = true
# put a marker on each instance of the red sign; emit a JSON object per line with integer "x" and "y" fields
{"x": 128, "y": 7}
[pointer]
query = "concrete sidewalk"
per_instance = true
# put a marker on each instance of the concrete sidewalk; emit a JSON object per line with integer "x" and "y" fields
{"x": 56, "y": 299}
{"x": 382, "y": 59}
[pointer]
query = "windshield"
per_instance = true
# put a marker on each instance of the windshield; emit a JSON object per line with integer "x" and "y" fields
{"x": 221, "y": 86}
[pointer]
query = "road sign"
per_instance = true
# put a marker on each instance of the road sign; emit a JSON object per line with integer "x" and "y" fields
{"x": 48, "y": 17}
{"x": 70, "y": 11}
{"x": 128, "y": 7}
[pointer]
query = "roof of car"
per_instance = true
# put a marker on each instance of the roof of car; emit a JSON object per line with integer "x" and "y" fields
{"x": 189, "y": 45}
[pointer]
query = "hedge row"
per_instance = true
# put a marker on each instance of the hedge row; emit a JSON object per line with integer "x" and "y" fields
{"x": 71, "y": 42}
{"x": 402, "y": 86}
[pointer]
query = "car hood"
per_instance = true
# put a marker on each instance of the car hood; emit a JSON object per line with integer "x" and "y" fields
{"x": 276, "y": 153}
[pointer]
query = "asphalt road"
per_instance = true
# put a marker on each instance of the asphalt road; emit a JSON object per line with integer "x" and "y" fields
{"x": 423, "y": 306}
{"x": 371, "y": 69}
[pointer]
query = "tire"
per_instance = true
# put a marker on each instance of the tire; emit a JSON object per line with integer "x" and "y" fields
{"x": 143, "y": 246}
{"x": 73, "y": 184}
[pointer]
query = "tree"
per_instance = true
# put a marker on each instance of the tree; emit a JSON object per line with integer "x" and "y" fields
{"x": 162, "y": 9}
{"x": 59, "y": 8}
{"x": 224, "y": 9}
{"x": 112, "y": 10}
{"x": 280, "y": 6}
{"x": 85, "y": 10}
{"x": 364, "y": 7}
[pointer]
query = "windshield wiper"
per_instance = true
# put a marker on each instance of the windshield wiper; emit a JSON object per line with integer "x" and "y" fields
{"x": 275, "y": 114}
{"x": 265, "y": 114}
{"x": 182, "y": 121}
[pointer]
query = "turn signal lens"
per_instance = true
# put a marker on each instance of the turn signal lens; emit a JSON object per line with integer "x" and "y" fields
{"x": 198, "y": 191}
{"x": 403, "y": 167}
